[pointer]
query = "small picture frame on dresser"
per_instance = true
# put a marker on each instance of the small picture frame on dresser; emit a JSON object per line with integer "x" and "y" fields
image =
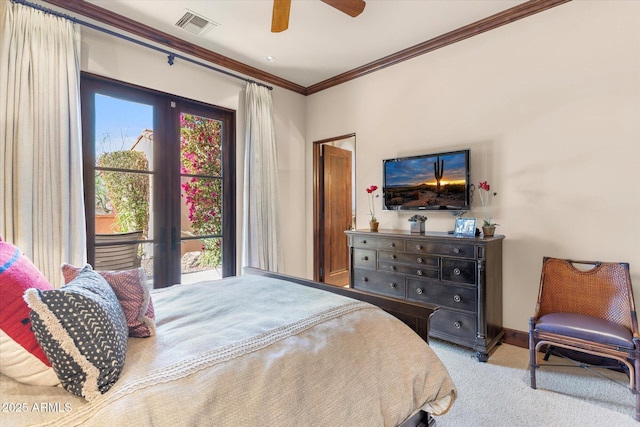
{"x": 465, "y": 227}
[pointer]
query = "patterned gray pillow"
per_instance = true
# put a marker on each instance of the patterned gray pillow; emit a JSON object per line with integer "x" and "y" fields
{"x": 83, "y": 331}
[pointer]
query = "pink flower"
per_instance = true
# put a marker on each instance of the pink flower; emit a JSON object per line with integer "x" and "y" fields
{"x": 486, "y": 197}
{"x": 372, "y": 209}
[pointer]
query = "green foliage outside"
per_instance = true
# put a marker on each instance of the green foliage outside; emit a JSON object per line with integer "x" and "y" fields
{"x": 128, "y": 192}
{"x": 201, "y": 155}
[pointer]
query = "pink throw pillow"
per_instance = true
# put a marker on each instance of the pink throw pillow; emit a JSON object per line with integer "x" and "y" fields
{"x": 130, "y": 286}
{"x": 21, "y": 357}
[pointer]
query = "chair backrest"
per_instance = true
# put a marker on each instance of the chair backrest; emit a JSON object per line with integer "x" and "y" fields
{"x": 122, "y": 255}
{"x": 603, "y": 291}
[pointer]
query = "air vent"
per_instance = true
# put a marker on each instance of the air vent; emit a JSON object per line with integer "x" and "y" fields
{"x": 195, "y": 23}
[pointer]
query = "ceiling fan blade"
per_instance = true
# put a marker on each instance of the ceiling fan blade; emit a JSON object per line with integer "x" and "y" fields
{"x": 352, "y": 8}
{"x": 280, "y": 16}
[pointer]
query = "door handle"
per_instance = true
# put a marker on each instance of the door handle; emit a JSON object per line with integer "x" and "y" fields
{"x": 175, "y": 241}
{"x": 163, "y": 239}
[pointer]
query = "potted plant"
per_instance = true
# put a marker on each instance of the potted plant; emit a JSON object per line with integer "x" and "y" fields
{"x": 416, "y": 223}
{"x": 486, "y": 197}
{"x": 373, "y": 222}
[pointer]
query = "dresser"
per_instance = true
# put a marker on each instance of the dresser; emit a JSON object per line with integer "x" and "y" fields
{"x": 462, "y": 276}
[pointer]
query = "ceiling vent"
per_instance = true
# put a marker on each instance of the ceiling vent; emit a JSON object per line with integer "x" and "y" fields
{"x": 195, "y": 24}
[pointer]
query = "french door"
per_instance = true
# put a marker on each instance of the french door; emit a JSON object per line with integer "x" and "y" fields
{"x": 159, "y": 175}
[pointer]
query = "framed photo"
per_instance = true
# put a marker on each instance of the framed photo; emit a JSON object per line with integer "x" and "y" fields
{"x": 465, "y": 227}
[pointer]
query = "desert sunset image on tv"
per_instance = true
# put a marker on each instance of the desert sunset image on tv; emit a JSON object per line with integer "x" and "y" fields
{"x": 426, "y": 182}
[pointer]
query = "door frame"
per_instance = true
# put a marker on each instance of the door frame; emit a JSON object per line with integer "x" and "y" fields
{"x": 318, "y": 223}
{"x": 165, "y": 211}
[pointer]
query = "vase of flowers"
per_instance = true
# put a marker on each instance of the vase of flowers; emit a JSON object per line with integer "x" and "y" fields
{"x": 416, "y": 223}
{"x": 373, "y": 222}
{"x": 486, "y": 197}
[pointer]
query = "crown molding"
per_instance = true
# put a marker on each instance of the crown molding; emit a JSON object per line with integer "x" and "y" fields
{"x": 494, "y": 21}
{"x": 89, "y": 10}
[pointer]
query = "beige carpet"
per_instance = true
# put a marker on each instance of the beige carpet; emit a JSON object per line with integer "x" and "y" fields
{"x": 497, "y": 393}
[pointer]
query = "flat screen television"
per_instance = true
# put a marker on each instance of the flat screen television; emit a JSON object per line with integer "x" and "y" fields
{"x": 439, "y": 181}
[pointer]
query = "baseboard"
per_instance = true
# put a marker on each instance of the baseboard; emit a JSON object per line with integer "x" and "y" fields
{"x": 517, "y": 338}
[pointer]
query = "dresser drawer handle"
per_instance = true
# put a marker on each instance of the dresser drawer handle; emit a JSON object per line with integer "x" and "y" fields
{"x": 456, "y": 271}
{"x": 364, "y": 280}
{"x": 419, "y": 272}
{"x": 392, "y": 244}
{"x": 393, "y": 256}
{"x": 392, "y": 285}
{"x": 456, "y": 250}
{"x": 393, "y": 268}
{"x": 420, "y": 260}
{"x": 457, "y": 325}
{"x": 456, "y": 298}
{"x": 419, "y": 247}
{"x": 364, "y": 242}
{"x": 419, "y": 291}
{"x": 365, "y": 258}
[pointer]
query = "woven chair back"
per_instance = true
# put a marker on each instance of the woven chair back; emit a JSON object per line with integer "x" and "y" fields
{"x": 603, "y": 291}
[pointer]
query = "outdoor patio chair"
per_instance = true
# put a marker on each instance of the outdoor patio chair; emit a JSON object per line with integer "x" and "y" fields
{"x": 120, "y": 254}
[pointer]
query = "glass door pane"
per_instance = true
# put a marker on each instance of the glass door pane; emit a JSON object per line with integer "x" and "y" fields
{"x": 201, "y": 184}
{"x": 155, "y": 183}
{"x": 123, "y": 185}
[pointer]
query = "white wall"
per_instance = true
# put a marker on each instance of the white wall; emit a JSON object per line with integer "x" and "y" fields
{"x": 550, "y": 108}
{"x": 549, "y": 105}
{"x": 114, "y": 58}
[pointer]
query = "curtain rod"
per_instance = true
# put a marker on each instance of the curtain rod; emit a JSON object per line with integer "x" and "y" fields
{"x": 171, "y": 56}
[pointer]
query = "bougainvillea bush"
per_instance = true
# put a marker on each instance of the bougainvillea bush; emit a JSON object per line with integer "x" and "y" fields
{"x": 201, "y": 167}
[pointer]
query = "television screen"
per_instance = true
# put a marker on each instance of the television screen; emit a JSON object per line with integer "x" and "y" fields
{"x": 427, "y": 182}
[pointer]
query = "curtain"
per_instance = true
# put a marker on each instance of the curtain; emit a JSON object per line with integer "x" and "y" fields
{"x": 41, "y": 190}
{"x": 261, "y": 196}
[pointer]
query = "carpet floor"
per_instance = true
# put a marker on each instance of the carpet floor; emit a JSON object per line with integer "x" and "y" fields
{"x": 498, "y": 393}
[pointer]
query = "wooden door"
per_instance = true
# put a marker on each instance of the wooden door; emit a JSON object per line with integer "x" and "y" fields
{"x": 336, "y": 217}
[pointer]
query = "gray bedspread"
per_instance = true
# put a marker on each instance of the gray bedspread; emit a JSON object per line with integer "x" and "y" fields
{"x": 254, "y": 351}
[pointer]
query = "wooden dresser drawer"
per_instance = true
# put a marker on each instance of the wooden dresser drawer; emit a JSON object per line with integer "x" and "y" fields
{"x": 459, "y": 271}
{"x": 453, "y": 323}
{"x": 443, "y": 295}
{"x": 378, "y": 243}
{"x": 364, "y": 258}
{"x": 381, "y": 283}
{"x": 419, "y": 260}
{"x": 462, "y": 276}
{"x": 462, "y": 250}
{"x": 426, "y": 272}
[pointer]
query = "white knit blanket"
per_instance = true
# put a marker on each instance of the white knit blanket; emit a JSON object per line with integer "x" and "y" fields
{"x": 255, "y": 351}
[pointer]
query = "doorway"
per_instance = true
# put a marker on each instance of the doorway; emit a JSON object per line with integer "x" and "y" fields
{"x": 334, "y": 207}
{"x": 159, "y": 177}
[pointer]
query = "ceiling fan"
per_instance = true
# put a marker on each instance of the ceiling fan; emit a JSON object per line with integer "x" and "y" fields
{"x": 281, "y": 8}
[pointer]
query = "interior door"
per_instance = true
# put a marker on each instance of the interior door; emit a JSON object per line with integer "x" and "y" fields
{"x": 337, "y": 213}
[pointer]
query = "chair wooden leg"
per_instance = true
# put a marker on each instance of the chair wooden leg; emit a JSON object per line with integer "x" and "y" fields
{"x": 636, "y": 386}
{"x": 548, "y": 353}
{"x": 533, "y": 361}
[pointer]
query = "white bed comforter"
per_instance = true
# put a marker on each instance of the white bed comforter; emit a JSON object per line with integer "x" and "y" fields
{"x": 255, "y": 351}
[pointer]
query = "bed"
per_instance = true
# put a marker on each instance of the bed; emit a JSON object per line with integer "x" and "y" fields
{"x": 260, "y": 349}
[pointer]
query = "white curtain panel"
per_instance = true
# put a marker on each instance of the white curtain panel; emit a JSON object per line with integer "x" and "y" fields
{"x": 261, "y": 196}
{"x": 41, "y": 193}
